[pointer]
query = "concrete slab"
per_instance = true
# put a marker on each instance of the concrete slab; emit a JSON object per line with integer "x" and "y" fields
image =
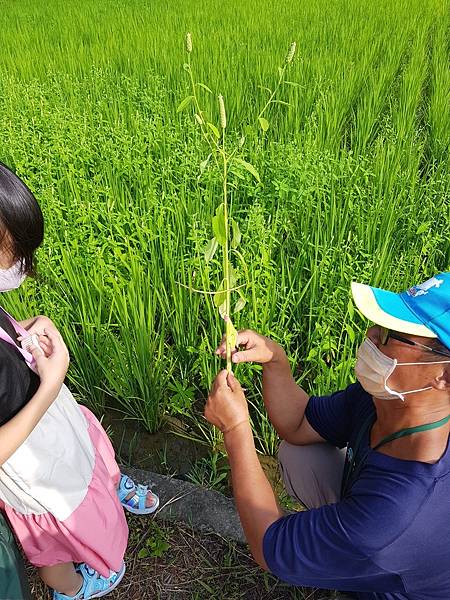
{"x": 203, "y": 510}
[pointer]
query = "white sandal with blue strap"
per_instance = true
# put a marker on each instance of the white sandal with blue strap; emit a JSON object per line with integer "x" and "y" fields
{"x": 137, "y": 503}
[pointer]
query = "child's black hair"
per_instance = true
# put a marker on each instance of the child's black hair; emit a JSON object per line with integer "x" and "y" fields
{"x": 21, "y": 219}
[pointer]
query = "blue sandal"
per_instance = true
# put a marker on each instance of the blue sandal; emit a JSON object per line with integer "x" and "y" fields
{"x": 94, "y": 585}
{"x": 137, "y": 503}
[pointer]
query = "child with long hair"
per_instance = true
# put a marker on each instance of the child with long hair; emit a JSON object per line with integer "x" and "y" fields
{"x": 60, "y": 487}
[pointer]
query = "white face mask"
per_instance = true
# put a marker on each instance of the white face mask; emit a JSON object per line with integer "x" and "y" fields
{"x": 12, "y": 278}
{"x": 373, "y": 369}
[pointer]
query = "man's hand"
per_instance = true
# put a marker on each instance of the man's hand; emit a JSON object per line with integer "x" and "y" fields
{"x": 257, "y": 348}
{"x": 226, "y": 407}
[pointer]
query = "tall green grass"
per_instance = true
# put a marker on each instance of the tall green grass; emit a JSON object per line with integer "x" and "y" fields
{"x": 355, "y": 180}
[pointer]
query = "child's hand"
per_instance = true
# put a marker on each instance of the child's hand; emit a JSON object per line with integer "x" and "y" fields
{"x": 226, "y": 406}
{"x": 37, "y": 325}
{"x": 52, "y": 369}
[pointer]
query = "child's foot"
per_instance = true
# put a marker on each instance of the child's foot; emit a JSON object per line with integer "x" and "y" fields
{"x": 137, "y": 499}
{"x": 94, "y": 585}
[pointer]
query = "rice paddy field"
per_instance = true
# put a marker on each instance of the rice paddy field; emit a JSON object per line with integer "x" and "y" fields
{"x": 353, "y": 168}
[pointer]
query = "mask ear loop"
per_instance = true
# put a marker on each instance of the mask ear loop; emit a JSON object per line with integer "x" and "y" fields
{"x": 431, "y": 362}
{"x": 387, "y": 388}
{"x": 402, "y": 395}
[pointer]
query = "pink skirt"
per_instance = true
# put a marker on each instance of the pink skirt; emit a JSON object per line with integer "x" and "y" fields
{"x": 95, "y": 533}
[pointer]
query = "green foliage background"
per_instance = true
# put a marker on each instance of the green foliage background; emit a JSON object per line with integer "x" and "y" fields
{"x": 355, "y": 180}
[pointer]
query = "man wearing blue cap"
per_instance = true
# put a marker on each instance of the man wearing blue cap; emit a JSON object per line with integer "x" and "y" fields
{"x": 379, "y": 524}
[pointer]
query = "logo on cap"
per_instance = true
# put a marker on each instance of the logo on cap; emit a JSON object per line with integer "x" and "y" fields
{"x": 422, "y": 289}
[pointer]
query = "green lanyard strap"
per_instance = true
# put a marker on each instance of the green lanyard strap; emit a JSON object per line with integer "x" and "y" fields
{"x": 411, "y": 430}
{"x": 352, "y": 470}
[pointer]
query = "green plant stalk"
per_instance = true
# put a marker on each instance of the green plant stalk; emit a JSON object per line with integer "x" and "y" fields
{"x": 272, "y": 96}
{"x": 226, "y": 262}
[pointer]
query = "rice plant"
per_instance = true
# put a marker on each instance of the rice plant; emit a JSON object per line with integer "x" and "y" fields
{"x": 354, "y": 172}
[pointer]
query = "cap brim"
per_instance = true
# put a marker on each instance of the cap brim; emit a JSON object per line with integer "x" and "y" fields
{"x": 388, "y": 310}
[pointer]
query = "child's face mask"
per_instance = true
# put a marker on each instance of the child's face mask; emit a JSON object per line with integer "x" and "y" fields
{"x": 373, "y": 369}
{"x": 12, "y": 278}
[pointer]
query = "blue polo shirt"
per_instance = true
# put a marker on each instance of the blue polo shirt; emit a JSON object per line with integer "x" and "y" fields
{"x": 388, "y": 538}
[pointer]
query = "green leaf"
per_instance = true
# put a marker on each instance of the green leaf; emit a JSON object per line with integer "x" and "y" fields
{"x": 211, "y": 249}
{"x": 422, "y": 228}
{"x": 222, "y": 309}
{"x": 204, "y": 164}
{"x": 218, "y": 225}
{"x": 184, "y": 103}
{"x": 214, "y": 130}
{"x": 249, "y": 131}
{"x": 264, "y": 123}
{"x": 351, "y": 309}
{"x": 281, "y": 102}
{"x": 143, "y": 553}
{"x": 350, "y": 332}
{"x": 249, "y": 167}
{"x": 240, "y": 304}
{"x": 220, "y": 296}
{"x": 236, "y": 234}
{"x": 242, "y": 259}
{"x": 232, "y": 277}
{"x": 293, "y": 83}
{"x": 159, "y": 548}
{"x": 205, "y": 87}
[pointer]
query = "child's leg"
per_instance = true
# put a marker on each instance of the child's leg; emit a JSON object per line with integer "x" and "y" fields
{"x": 63, "y": 578}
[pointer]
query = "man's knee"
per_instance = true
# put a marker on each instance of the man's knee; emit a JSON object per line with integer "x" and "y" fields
{"x": 312, "y": 473}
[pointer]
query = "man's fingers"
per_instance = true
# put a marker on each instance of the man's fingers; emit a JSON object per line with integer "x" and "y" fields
{"x": 244, "y": 356}
{"x": 243, "y": 338}
{"x": 220, "y": 380}
{"x": 233, "y": 383}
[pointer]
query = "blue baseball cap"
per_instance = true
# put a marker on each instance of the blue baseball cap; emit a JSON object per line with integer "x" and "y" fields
{"x": 422, "y": 310}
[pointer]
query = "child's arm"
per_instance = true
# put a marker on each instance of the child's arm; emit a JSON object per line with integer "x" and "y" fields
{"x": 52, "y": 371}
{"x": 36, "y": 324}
{"x": 16, "y": 430}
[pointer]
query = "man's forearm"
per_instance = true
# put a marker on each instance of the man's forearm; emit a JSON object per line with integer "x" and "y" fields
{"x": 285, "y": 401}
{"x": 254, "y": 497}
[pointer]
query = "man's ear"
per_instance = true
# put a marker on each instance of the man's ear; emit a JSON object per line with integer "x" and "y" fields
{"x": 442, "y": 381}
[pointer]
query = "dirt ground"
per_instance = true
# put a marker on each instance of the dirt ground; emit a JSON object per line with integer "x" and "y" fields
{"x": 167, "y": 562}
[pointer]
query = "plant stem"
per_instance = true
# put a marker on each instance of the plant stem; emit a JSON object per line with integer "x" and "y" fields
{"x": 280, "y": 80}
{"x": 226, "y": 265}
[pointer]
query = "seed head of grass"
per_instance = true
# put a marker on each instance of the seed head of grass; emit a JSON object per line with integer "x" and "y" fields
{"x": 188, "y": 42}
{"x": 291, "y": 52}
{"x": 223, "y": 115}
